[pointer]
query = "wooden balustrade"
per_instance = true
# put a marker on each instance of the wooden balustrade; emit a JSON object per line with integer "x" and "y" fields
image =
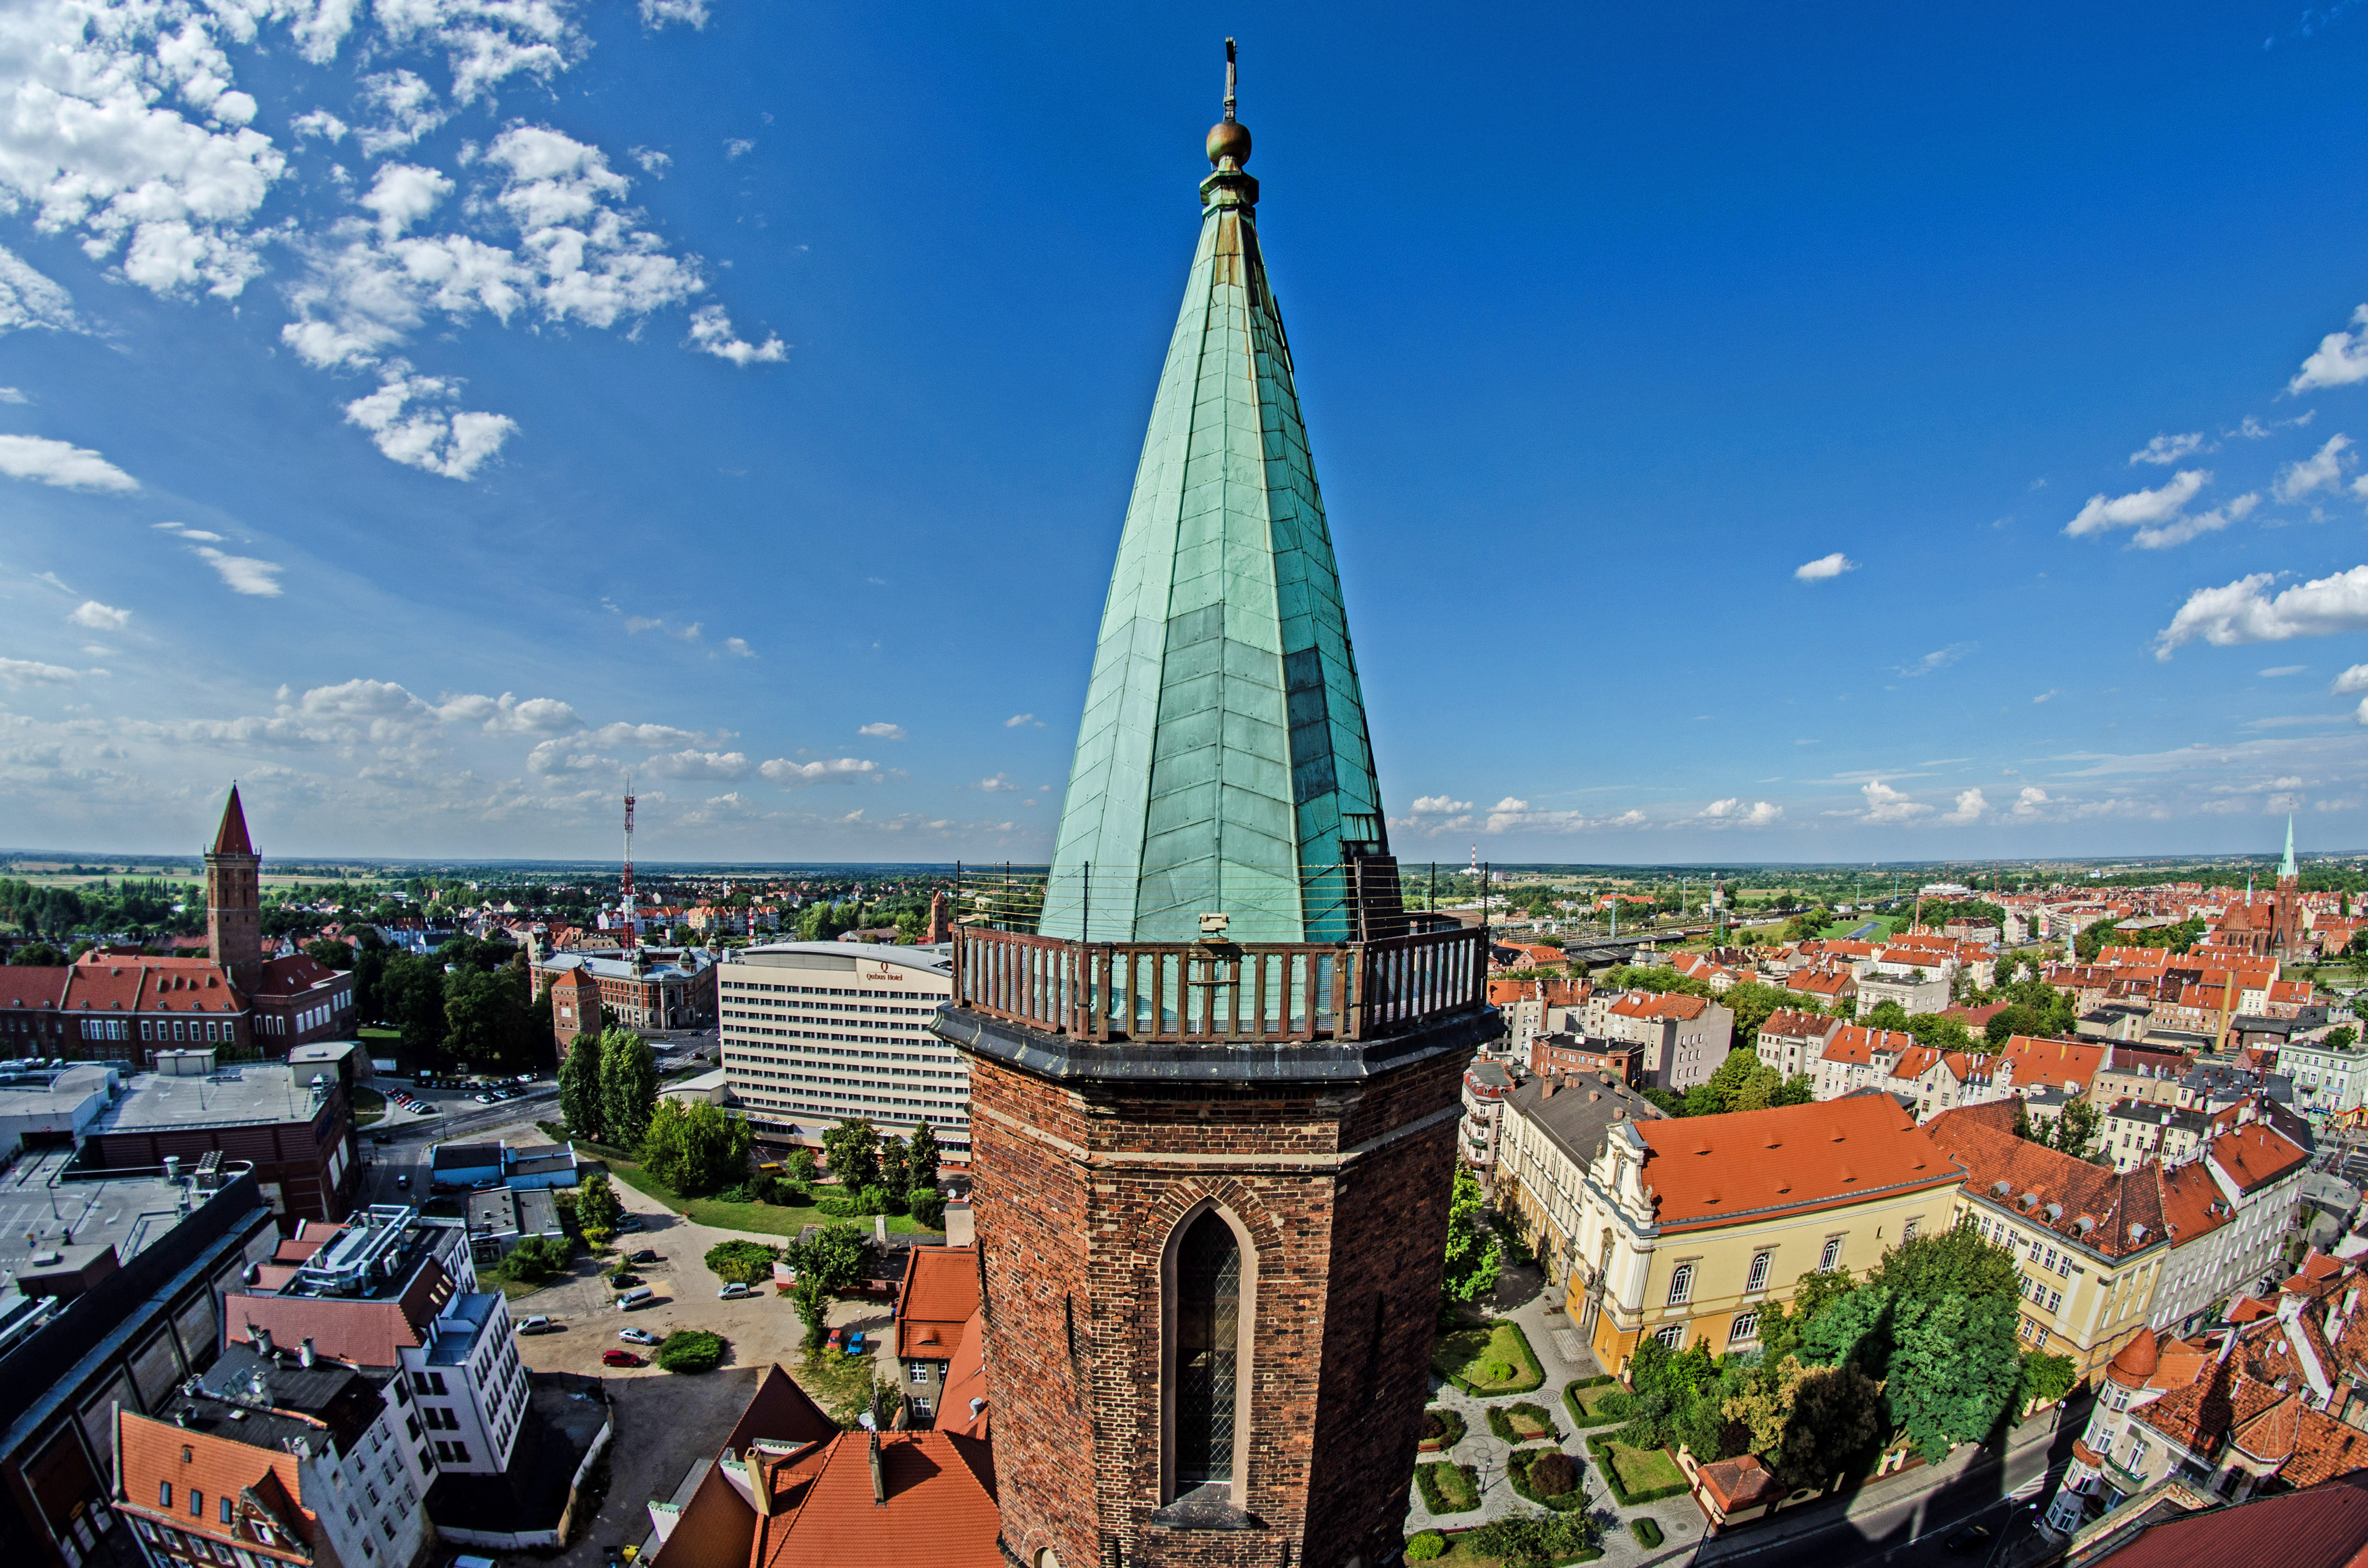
{"x": 1254, "y": 992}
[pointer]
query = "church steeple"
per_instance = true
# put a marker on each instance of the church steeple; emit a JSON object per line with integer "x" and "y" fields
{"x": 235, "y": 897}
{"x": 1223, "y": 763}
{"x": 2286, "y": 869}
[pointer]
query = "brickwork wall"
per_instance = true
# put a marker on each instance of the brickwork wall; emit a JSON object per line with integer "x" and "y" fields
{"x": 1347, "y": 1254}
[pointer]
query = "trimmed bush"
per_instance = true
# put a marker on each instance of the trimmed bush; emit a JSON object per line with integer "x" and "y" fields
{"x": 835, "y": 1207}
{"x": 1647, "y": 1530}
{"x": 1500, "y": 1421}
{"x": 691, "y": 1350}
{"x": 928, "y": 1207}
{"x": 1425, "y": 1546}
{"x": 1520, "y": 1466}
{"x": 742, "y": 1263}
{"x": 1492, "y": 1359}
{"x": 1551, "y": 1474}
{"x": 1448, "y": 1488}
{"x": 1579, "y": 1418}
{"x": 1442, "y": 1425}
{"x": 1601, "y": 1449}
{"x": 872, "y": 1200}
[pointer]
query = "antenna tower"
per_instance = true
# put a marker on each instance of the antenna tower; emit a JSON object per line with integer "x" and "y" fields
{"x": 627, "y": 899}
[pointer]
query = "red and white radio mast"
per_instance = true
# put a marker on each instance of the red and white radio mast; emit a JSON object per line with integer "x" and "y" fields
{"x": 628, "y": 897}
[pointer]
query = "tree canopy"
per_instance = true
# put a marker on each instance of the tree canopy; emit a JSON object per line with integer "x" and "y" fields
{"x": 1475, "y": 1256}
{"x": 694, "y": 1148}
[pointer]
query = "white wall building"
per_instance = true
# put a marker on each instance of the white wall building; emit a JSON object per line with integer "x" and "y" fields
{"x": 2328, "y": 1081}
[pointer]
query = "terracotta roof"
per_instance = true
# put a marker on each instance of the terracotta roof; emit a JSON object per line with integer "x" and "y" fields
{"x": 940, "y": 1292}
{"x": 2192, "y": 1205}
{"x": 716, "y": 1526}
{"x": 231, "y": 839}
{"x": 781, "y": 1410}
{"x": 938, "y": 1510}
{"x": 33, "y": 985}
{"x": 2269, "y": 1435}
{"x": 1660, "y": 1005}
{"x": 215, "y": 1466}
{"x": 1857, "y": 1044}
{"x": 2323, "y": 1527}
{"x": 366, "y": 1333}
{"x": 2324, "y": 1448}
{"x": 292, "y": 976}
{"x": 1792, "y": 1021}
{"x": 1713, "y": 1170}
{"x": 966, "y": 1380}
{"x": 1819, "y": 983}
{"x": 2136, "y": 1362}
{"x": 2054, "y": 1060}
{"x": 2029, "y": 1180}
{"x": 1739, "y": 1482}
{"x": 147, "y": 985}
{"x": 2255, "y": 1156}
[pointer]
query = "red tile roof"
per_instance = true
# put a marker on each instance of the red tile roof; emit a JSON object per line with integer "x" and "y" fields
{"x": 941, "y": 1293}
{"x": 1741, "y": 1483}
{"x": 367, "y": 1333}
{"x": 1792, "y": 1021}
{"x": 966, "y": 1380}
{"x": 2322, "y": 1527}
{"x": 1714, "y": 1170}
{"x": 232, "y": 839}
{"x": 939, "y": 1510}
{"x": 2063, "y": 1061}
{"x": 1660, "y": 1005}
{"x": 2123, "y": 1210}
{"x": 217, "y": 1467}
{"x": 2255, "y": 1156}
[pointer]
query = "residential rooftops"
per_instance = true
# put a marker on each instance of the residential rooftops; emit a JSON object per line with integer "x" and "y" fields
{"x": 1715, "y": 1170}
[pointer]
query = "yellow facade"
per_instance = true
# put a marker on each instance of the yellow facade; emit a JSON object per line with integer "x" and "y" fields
{"x": 2076, "y": 1302}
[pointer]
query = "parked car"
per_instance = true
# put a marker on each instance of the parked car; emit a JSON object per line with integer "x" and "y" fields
{"x": 621, "y": 1358}
{"x": 537, "y": 1325}
{"x": 629, "y": 1224}
{"x": 483, "y": 1100}
{"x": 733, "y": 1292}
{"x": 623, "y": 1281}
{"x": 401, "y": 1179}
{"x": 1973, "y": 1538}
{"x": 380, "y": 1138}
{"x": 523, "y": 1078}
{"x": 637, "y": 1336}
{"x": 855, "y": 1342}
{"x": 838, "y": 1340}
{"x": 645, "y": 1256}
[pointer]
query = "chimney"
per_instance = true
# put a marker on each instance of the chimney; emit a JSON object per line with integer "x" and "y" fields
{"x": 1545, "y": 1090}
{"x": 260, "y": 1338}
{"x": 879, "y": 1480}
{"x": 760, "y": 1484}
{"x": 304, "y": 1357}
{"x": 975, "y": 1406}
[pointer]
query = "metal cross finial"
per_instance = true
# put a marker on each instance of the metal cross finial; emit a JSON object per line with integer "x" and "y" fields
{"x": 1229, "y": 80}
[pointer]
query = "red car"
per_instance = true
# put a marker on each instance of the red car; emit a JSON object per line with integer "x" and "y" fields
{"x": 621, "y": 1358}
{"x": 838, "y": 1340}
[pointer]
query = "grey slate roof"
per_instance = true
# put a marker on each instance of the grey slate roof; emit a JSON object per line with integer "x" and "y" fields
{"x": 1576, "y": 1117}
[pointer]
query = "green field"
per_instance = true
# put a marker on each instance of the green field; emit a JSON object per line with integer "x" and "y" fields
{"x": 1643, "y": 1470}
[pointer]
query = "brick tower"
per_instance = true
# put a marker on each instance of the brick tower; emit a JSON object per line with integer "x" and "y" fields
{"x": 2285, "y": 919}
{"x": 1214, "y": 1085}
{"x": 234, "y": 898}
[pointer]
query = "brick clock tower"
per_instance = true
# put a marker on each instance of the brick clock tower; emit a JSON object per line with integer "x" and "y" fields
{"x": 234, "y": 898}
{"x": 1215, "y": 1073}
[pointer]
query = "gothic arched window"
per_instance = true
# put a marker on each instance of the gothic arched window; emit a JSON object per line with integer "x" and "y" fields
{"x": 1208, "y": 1341}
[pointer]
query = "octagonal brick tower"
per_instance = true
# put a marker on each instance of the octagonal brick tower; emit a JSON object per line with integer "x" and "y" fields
{"x": 1213, "y": 1160}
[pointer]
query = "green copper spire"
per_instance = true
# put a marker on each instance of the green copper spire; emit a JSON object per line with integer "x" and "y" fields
{"x": 2287, "y": 870}
{"x": 1223, "y": 763}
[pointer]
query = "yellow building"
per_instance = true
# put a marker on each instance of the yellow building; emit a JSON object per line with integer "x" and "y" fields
{"x": 1690, "y": 1230}
{"x": 1552, "y": 1128}
{"x": 2091, "y": 1242}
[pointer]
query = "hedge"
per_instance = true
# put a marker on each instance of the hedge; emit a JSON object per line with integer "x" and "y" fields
{"x": 691, "y": 1350}
{"x": 1422, "y": 1548}
{"x": 1452, "y": 1424}
{"x": 1647, "y": 1530}
{"x": 1579, "y": 1418}
{"x": 1601, "y": 1449}
{"x": 1450, "y": 1365}
{"x": 1425, "y": 1477}
{"x": 1516, "y": 1470}
{"x": 1500, "y": 1421}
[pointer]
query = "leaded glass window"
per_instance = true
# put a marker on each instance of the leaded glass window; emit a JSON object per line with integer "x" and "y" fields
{"x": 1207, "y": 1320}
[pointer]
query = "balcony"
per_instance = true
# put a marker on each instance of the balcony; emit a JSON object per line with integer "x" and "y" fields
{"x": 1216, "y": 993}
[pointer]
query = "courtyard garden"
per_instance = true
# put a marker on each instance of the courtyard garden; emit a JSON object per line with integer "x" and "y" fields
{"x": 1487, "y": 1359}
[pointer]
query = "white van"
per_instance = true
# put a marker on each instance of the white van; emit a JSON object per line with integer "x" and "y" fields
{"x": 639, "y": 1296}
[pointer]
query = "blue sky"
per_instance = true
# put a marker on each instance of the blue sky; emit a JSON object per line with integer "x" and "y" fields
{"x": 423, "y": 411}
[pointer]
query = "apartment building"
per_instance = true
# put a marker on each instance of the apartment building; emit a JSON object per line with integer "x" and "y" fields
{"x": 1532, "y": 1007}
{"x": 1689, "y": 1230}
{"x": 1792, "y": 1040}
{"x": 937, "y": 1310}
{"x": 2328, "y": 1080}
{"x": 815, "y": 1031}
{"x": 1484, "y": 1087}
{"x": 2139, "y": 1132}
{"x": 1554, "y": 1126}
{"x": 1683, "y": 1037}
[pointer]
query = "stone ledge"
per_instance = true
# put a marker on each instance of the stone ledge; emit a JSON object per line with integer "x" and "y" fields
{"x": 1063, "y": 1060}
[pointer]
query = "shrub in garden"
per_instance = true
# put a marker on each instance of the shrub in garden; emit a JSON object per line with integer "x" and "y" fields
{"x": 1533, "y": 1541}
{"x": 1647, "y": 1531}
{"x": 928, "y": 1207}
{"x": 691, "y": 1350}
{"x": 1551, "y": 1475}
{"x": 1433, "y": 1427}
{"x": 835, "y": 1207}
{"x": 1425, "y": 1546}
{"x": 742, "y": 1263}
{"x": 872, "y": 1199}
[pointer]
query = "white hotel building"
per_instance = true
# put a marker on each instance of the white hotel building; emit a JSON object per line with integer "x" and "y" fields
{"x": 814, "y": 1031}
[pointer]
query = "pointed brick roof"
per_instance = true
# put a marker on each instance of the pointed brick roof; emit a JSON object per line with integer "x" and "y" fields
{"x": 232, "y": 839}
{"x": 2136, "y": 1362}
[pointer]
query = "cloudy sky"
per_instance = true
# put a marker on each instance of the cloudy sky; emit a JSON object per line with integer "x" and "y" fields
{"x": 1883, "y": 435}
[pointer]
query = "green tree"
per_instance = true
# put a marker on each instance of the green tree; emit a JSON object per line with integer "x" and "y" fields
{"x": 922, "y": 1157}
{"x": 2015, "y": 1018}
{"x": 2342, "y": 1037}
{"x": 831, "y": 1258}
{"x": 486, "y": 1021}
{"x": 1799, "y": 1089}
{"x": 813, "y": 1303}
{"x": 803, "y": 1166}
{"x": 1751, "y": 1003}
{"x": 928, "y": 1207}
{"x": 330, "y": 952}
{"x": 629, "y": 1088}
{"x": 1727, "y": 1080}
{"x": 1885, "y": 1015}
{"x": 893, "y": 1173}
{"x": 1759, "y": 1089}
{"x": 536, "y": 1259}
{"x": 1475, "y": 1256}
{"x": 39, "y": 954}
{"x": 411, "y": 999}
{"x": 1781, "y": 1329}
{"x": 1956, "y": 1261}
{"x": 597, "y": 1207}
{"x": 1806, "y": 1422}
{"x": 694, "y": 1148}
{"x": 689, "y": 1350}
{"x": 742, "y": 1262}
{"x": 579, "y": 1087}
{"x": 852, "y": 1147}
{"x": 2075, "y": 1129}
{"x": 1955, "y": 1371}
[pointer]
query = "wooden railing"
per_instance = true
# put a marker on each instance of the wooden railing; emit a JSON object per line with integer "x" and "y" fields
{"x": 1153, "y": 992}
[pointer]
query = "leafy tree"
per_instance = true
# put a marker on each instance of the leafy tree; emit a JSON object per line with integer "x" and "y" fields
{"x": 536, "y": 1259}
{"x": 1955, "y": 1373}
{"x": 1857, "y": 1329}
{"x": 831, "y": 1258}
{"x": 1799, "y": 1089}
{"x": 852, "y": 1147}
{"x": 695, "y": 1148}
{"x": 2045, "y": 1377}
{"x": 893, "y": 1173}
{"x": 1885, "y": 1015}
{"x": 411, "y": 999}
{"x": 1759, "y": 1089}
{"x": 813, "y": 1303}
{"x": 742, "y": 1262}
{"x": 1475, "y": 1256}
{"x": 922, "y": 1157}
{"x": 1670, "y": 1104}
{"x": 1806, "y": 1422}
{"x": 39, "y": 954}
{"x": 803, "y": 1166}
{"x": 2075, "y": 1129}
{"x": 595, "y": 1205}
{"x": 1728, "y": 1079}
{"x": 629, "y": 1088}
{"x": 1941, "y": 1032}
{"x": 579, "y": 1087}
{"x": 330, "y": 951}
{"x": 928, "y": 1207}
{"x": 1533, "y": 1541}
{"x": 691, "y": 1350}
{"x": 1751, "y": 1003}
{"x": 2015, "y": 1018}
{"x": 486, "y": 1021}
{"x": 1781, "y": 1329}
{"x": 2342, "y": 1037}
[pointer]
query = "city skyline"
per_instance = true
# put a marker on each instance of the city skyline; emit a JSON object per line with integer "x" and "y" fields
{"x": 1904, "y": 463}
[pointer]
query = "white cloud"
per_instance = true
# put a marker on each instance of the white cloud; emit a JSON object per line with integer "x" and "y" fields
{"x": 1939, "y": 659}
{"x": 99, "y": 617}
{"x": 2350, "y": 683}
{"x": 68, "y": 467}
{"x": 505, "y": 715}
{"x": 739, "y": 146}
{"x": 12, "y": 395}
{"x": 1510, "y": 804}
{"x": 318, "y": 122}
{"x": 2323, "y": 470}
{"x": 738, "y": 648}
{"x": 2030, "y": 801}
{"x": 407, "y": 109}
{"x": 1823, "y": 567}
{"x": 2167, "y": 449}
{"x": 2181, "y": 528}
{"x": 404, "y": 194}
{"x": 1434, "y": 805}
{"x": 30, "y": 300}
{"x": 1735, "y": 811}
{"x": 2139, "y": 508}
{"x": 2045, "y": 695}
{"x": 1018, "y": 720}
{"x": 2291, "y": 670}
{"x": 2340, "y": 358}
{"x": 882, "y": 731}
{"x": 694, "y": 764}
{"x": 182, "y": 530}
{"x": 997, "y": 784}
{"x": 1885, "y": 804}
{"x": 656, "y": 14}
{"x": 2241, "y": 612}
{"x": 781, "y": 770}
{"x": 243, "y": 574}
{"x": 710, "y": 333}
{"x": 453, "y": 443}
{"x": 27, "y": 672}
{"x": 1969, "y": 808}
{"x": 653, "y": 162}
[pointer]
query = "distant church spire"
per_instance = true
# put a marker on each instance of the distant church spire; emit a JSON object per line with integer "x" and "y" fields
{"x": 2287, "y": 868}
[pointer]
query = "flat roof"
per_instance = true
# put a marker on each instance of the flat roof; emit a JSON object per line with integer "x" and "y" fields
{"x": 458, "y": 1329}
{"x": 129, "y": 1214}
{"x": 49, "y": 1093}
{"x": 935, "y": 960}
{"x": 253, "y": 1092}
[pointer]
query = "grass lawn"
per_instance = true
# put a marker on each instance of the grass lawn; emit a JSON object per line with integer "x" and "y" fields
{"x": 1591, "y": 1400}
{"x": 1643, "y": 1470}
{"x": 1491, "y": 1359}
{"x": 370, "y": 1105}
{"x": 763, "y": 1218}
{"x": 840, "y": 1384}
